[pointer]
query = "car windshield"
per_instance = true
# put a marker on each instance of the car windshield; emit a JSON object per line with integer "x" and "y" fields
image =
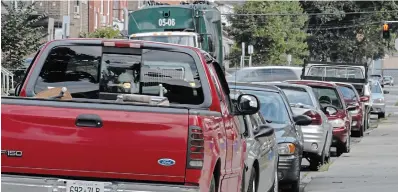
{"x": 297, "y": 95}
{"x": 348, "y": 93}
{"x": 328, "y": 95}
{"x": 187, "y": 40}
{"x": 242, "y": 74}
{"x": 272, "y": 106}
{"x": 93, "y": 72}
{"x": 337, "y": 72}
{"x": 375, "y": 88}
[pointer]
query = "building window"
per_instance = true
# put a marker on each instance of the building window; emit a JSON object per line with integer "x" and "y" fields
{"x": 78, "y": 2}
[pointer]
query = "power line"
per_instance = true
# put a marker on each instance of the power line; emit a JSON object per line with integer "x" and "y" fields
{"x": 304, "y": 14}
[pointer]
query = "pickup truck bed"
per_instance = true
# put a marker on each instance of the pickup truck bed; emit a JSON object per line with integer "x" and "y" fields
{"x": 128, "y": 145}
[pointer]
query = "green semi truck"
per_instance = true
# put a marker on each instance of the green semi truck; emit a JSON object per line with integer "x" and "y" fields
{"x": 197, "y": 24}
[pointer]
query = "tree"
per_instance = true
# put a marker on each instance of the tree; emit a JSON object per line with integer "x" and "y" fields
{"x": 345, "y": 36}
{"x": 21, "y": 34}
{"x": 273, "y": 37}
{"x": 104, "y": 32}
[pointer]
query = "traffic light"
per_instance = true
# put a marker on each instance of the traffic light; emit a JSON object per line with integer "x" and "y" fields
{"x": 386, "y": 31}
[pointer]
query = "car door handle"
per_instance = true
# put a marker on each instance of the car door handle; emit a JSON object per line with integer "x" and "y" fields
{"x": 88, "y": 120}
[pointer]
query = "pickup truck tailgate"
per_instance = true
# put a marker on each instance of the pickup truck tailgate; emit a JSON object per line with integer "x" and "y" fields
{"x": 130, "y": 144}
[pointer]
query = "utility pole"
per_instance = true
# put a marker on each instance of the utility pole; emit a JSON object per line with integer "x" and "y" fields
{"x": 250, "y": 52}
{"x": 242, "y": 58}
{"x": 289, "y": 59}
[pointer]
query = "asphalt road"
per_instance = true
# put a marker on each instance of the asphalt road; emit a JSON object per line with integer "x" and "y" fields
{"x": 371, "y": 164}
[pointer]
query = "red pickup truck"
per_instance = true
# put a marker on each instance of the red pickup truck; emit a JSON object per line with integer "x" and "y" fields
{"x": 181, "y": 134}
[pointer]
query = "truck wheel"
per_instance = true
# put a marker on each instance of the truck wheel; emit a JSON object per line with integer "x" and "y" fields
{"x": 252, "y": 181}
{"x": 212, "y": 185}
{"x": 382, "y": 115}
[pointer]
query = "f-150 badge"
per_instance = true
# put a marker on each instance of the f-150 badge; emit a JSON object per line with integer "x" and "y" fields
{"x": 11, "y": 153}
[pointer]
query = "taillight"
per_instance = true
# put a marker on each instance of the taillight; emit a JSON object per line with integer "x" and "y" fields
{"x": 195, "y": 152}
{"x": 316, "y": 118}
{"x": 364, "y": 98}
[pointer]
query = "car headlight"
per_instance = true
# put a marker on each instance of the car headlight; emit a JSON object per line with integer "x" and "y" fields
{"x": 337, "y": 123}
{"x": 378, "y": 100}
{"x": 286, "y": 148}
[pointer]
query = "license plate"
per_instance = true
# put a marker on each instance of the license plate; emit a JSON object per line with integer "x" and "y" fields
{"x": 84, "y": 186}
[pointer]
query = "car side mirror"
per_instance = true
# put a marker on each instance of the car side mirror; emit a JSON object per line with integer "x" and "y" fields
{"x": 351, "y": 108}
{"x": 302, "y": 120}
{"x": 386, "y": 92}
{"x": 247, "y": 104}
{"x": 329, "y": 110}
{"x": 364, "y": 99}
{"x": 264, "y": 131}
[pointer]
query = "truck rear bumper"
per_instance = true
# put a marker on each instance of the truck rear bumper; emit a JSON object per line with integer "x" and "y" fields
{"x": 12, "y": 183}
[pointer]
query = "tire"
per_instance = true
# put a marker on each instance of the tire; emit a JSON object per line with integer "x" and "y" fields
{"x": 382, "y": 115}
{"x": 360, "y": 132}
{"x": 317, "y": 161}
{"x": 253, "y": 181}
{"x": 347, "y": 147}
{"x": 327, "y": 159}
{"x": 212, "y": 185}
{"x": 295, "y": 186}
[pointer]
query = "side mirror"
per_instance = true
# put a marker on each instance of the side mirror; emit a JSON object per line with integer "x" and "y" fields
{"x": 351, "y": 108}
{"x": 329, "y": 110}
{"x": 364, "y": 99}
{"x": 247, "y": 104}
{"x": 264, "y": 131}
{"x": 386, "y": 92}
{"x": 302, "y": 120}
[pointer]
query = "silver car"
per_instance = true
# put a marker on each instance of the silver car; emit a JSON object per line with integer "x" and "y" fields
{"x": 261, "y": 160}
{"x": 318, "y": 135}
{"x": 379, "y": 105}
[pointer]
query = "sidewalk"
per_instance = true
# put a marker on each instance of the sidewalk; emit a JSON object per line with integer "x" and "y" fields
{"x": 372, "y": 164}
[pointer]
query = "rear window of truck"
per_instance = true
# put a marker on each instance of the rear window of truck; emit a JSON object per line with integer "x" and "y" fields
{"x": 96, "y": 72}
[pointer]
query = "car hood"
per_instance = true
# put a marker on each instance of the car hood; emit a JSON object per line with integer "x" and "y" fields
{"x": 283, "y": 133}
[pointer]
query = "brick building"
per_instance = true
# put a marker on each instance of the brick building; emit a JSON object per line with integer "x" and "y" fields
{"x": 100, "y": 14}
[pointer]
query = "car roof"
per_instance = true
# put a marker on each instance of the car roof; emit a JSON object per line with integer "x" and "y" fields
{"x": 253, "y": 86}
{"x": 344, "y": 84}
{"x": 313, "y": 83}
{"x": 142, "y": 42}
{"x": 273, "y": 67}
{"x": 285, "y": 84}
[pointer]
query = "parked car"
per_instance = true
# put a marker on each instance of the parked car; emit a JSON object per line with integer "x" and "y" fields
{"x": 379, "y": 105}
{"x": 261, "y": 162}
{"x": 266, "y": 74}
{"x": 378, "y": 78}
{"x": 277, "y": 113}
{"x": 317, "y": 135}
{"x": 331, "y": 100}
{"x": 351, "y": 97}
{"x": 353, "y": 73}
{"x": 185, "y": 140}
{"x": 388, "y": 80}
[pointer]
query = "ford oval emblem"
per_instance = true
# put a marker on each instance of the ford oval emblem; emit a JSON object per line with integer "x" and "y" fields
{"x": 166, "y": 162}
